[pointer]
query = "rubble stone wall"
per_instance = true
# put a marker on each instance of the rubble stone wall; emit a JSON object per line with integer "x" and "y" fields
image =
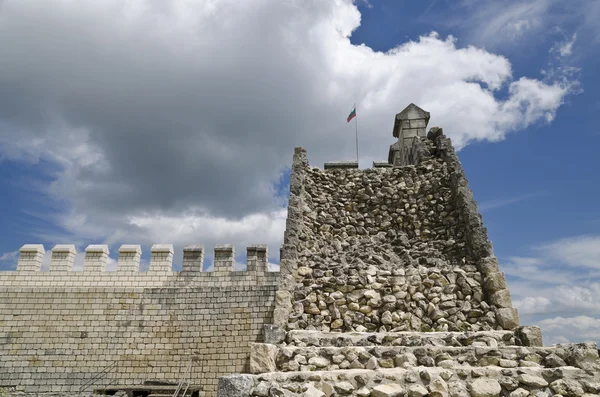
{"x": 390, "y": 249}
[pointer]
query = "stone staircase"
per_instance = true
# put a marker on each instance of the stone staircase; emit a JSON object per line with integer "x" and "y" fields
{"x": 416, "y": 364}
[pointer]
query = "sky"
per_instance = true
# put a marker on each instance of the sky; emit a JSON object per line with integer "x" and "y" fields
{"x": 143, "y": 121}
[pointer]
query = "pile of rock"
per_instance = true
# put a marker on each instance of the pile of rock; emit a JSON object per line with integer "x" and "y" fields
{"x": 382, "y": 250}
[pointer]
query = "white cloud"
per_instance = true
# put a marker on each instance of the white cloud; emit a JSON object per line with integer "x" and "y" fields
{"x": 9, "y": 256}
{"x": 171, "y": 122}
{"x": 514, "y": 23}
{"x": 570, "y": 329}
{"x": 560, "y": 283}
{"x": 580, "y": 251}
{"x": 497, "y": 23}
{"x": 564, "y": 48}
{"x": 503, "y": 202}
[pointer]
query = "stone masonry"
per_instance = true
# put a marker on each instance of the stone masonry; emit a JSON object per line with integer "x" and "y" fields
{"x": 390, "y": 287}
{"x": 59, "y": 329}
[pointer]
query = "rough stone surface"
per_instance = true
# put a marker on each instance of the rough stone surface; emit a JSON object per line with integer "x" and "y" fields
{"x": 417, "y": 391}
{"x": 530, "y": 336}
{"x": 532, "y": 381}
{"x": 389, "y": 390}
{"x": 235, "y": 386}
{"x": 262, "y": 358}
{"x": 485, "y": 387}
{"x": 567, "y": 388}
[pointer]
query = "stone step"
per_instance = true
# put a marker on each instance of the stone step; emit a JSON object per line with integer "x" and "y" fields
{"x": 416, "y": 382}
{"x": 527, "y": 336}
{"x": 267, "y": 358}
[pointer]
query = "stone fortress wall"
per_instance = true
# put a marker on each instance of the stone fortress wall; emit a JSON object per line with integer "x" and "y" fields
{"x": 60, "y": 328}
{"x": 392, "y": 249}
{"x": 388, "y": 287}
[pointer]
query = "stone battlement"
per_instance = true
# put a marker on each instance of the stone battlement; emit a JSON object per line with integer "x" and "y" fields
{"x": 128, "y": 274}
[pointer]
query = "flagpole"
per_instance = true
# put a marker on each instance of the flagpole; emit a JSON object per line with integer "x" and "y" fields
{"x": 356, "y": 125}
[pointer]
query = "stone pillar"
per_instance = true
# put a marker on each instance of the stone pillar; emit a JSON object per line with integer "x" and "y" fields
{"x": 96, "y": 258}
{"x": 63, "y": 256}
{"x": 193, "y": 260}
{"x": 257, "y": 255}
{"x": 161, "y": 258}
{"x": 30, "y": 258}
{"x": 224, "y": 258}
{"x": 129, "y": 258}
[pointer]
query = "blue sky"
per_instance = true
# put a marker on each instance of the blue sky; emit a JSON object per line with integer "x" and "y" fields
{"x": 176, "y": 123}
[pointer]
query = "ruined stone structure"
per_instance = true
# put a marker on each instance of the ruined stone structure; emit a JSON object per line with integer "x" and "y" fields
{"x": 388, "y": 287}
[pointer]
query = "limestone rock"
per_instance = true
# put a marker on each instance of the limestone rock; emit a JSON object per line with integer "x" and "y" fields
{"x": 235, "y": 386}
{"x": 417, "y": 391}
{"x": 387, "y": 390}
{"x": 363, "y": 392}
{"x": 281, "y": 316}
{"x": 458, "y": 389}
{"x": 583, "y": 355}
{"x": 438, "y": 388}
{"x": 311, "y": 391}
{"x": 485, "y": 387}
{"x": 344, "y": 388}
{"x": 262, "y": 358}
{"x": 508, "y": 318}
{"x": 520, "y": 392}
{"x": 283, "y": 299}
{"x": 261, "y": 390}
{"x": 304, "y": 271}
{"x": 553, "y": 361}
{"x": 319, "y": 362}
{"x": 406, "y": 360}
{"x": 501, "y": 299}
{"x": 273, "y": 334}
{"x": 567, "y": 388}
{"x": 530, "y": 336}
{"x": 532, "y": 380}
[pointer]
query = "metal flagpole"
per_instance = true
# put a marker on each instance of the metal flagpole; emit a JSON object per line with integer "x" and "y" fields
{"x": 356, "y": 125}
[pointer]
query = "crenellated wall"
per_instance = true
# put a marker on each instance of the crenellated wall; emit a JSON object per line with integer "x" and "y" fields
{"x": 60, "y": 328}
{"x": 160, "y": 273}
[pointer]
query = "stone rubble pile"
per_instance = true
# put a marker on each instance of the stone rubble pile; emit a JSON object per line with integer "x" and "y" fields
{"x": 382, "y": 251}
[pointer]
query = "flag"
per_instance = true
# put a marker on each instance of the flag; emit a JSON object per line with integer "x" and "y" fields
{"x": 351, "y": 115}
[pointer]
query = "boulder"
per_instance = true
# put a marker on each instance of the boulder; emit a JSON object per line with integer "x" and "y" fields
{"x": 485, "y": 387}
{"x": 235, "y": 386}
{"x": 387, "y": 390}
{"x": 262, "y": 358}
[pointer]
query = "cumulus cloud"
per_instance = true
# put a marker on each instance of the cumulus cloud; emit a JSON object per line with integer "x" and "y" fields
{"x": 559, "y": 283}
{"x": 174, "y": 121}
{"x": 570, "y": 329}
